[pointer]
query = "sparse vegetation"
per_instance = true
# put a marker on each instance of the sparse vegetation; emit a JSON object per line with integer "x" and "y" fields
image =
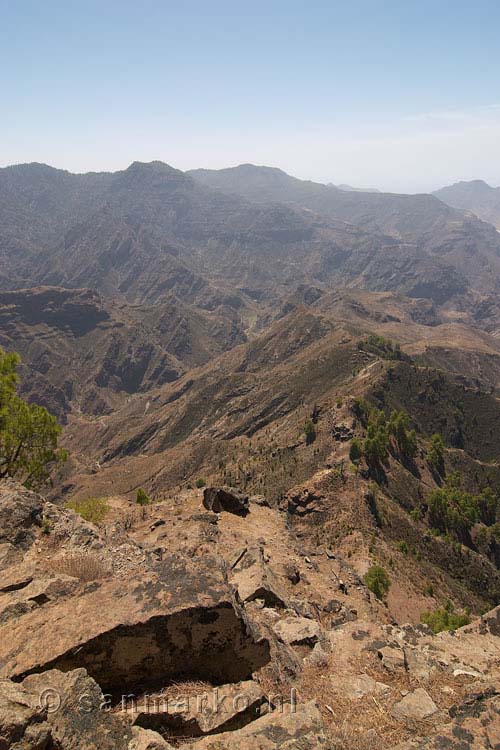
{"x": 444, "y": 618}
{"x": 377, "y": 580}
{"x": 381, "y": 347}
{"x": 355, "y": 451}
{"x": 92, "y": 509}
{"x": 435, "y": 453}
{"x": 454, "y": 511}
{"x": 309, "y": 432}
{"x": 406, "y": 439}
{"x": 142, "y": 498}
{"x": 82, "y": 565}
{"x": 200, "y": 483}
{"x": 375, "y": 445}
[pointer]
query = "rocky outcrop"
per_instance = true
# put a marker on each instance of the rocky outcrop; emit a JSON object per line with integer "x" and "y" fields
{"x": 301, "y": 728}
{"x": 20, "y": 514}
{"x": 298, "y": 631}
{"x": 476, "y": 729}
{"x": 78, "y": 713}
{"x": 23, "y": 724}
{"x": 177, "y": 620}
{"x": 210, "y": 711}
{"x": 218, "y": 499}
{"x": 254, "y": 579}
{"x": 215, "y": 635}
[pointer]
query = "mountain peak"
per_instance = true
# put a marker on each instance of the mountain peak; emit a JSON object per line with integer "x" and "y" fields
{"x": 152, "y": 167}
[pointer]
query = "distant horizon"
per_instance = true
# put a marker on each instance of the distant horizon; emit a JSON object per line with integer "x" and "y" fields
{"x": 339, "y": 185}
{"x": 400, "y": 97}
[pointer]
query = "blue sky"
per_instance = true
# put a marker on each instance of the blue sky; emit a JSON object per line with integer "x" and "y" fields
{"x": 398, "y": 95}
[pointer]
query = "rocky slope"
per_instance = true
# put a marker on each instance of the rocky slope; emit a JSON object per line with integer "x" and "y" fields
{"x": 236, "y": 633}
{"x": 86, "y": 355}
{"x": 241, "y": 330}
{"x": 447, "y": 235}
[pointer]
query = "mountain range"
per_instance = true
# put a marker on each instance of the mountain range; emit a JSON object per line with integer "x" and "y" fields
{"x": 300, "y": 383}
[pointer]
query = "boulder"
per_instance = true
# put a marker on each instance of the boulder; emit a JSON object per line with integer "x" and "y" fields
{"x": 417, "y": 705}
{"x": 145, "y": 739}
{"x": 393, "y": 659}
{"x": 260, "y": 500}
{"x": 20, "y": 514}
{"x": 477, "y": 729}
{"x": 357, "y": 686}
{"x": 77, "y": 711}
{"x": 23, "y": 725}
{"x": 419, "y": 663}
{"x": 297, "y": 631}
{"x": 300, "y": 728}
{"x": 304, "y": 502}
{"x": 220, "y": 709}
{"x": 218, "y": 499}
{"x": 175, "y": 619}
{"x": 254, "y": 579}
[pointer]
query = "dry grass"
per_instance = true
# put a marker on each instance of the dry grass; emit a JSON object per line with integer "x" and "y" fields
{"x": 85, "y": 566}
{"x": 366, "y": 723}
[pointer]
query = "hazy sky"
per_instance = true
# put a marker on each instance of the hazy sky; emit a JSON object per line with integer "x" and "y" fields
{"x": 397, "y": 95}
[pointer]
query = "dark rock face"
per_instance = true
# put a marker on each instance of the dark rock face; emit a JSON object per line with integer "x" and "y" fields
{"x": 23, "y": 726}
{"x": 208, "y": 643}
{"x": 218, "y": 499}
{"x": 20, "y": 513}
{"x": 304, "y": 503}
{"x": 80, "y": 721}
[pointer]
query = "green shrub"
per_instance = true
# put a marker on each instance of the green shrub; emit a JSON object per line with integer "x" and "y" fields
{"x": 92, "y": 509}
{"x": 309, "y": 432}
{"x": 371, "y": 500}
{"x": 403, "y": 547}
{"x": 141, "y": 497}
{"x": 355, "y": 451}
{"x": 454, "y": 511}
{"x": 406, "y": 439}
{"x": 200, "y": 483}
{"x": 362, "y": 409}
{"x": 435, "y": 453}
{"x": 381, "y": 346}
{"x": 377, "y": 580}
{"x": 444, "y": 619}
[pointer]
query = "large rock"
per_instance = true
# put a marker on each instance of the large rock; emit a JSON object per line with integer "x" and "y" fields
{"x": 297, "y": 631}
{"x": 78, "y": 712}
{"x": 23, "y": 726}
{"x": 417, "y": 705}
{"x": 254, "y": 579}
{"x": 284, "y": 731}
{"x": 478, "y": 728}
{"x": 220, "y": 709}
{"x": 357, "y": 686}
{"x": 145, "y": 739}
{"x": 20, "y": 514}
{"x": 218, "y": 499}
{"x": 176, "y": 619}
{"x": 392, "y": 658}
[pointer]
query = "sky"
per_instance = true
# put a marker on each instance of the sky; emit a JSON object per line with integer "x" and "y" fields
{"x": 402, "y": 96}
